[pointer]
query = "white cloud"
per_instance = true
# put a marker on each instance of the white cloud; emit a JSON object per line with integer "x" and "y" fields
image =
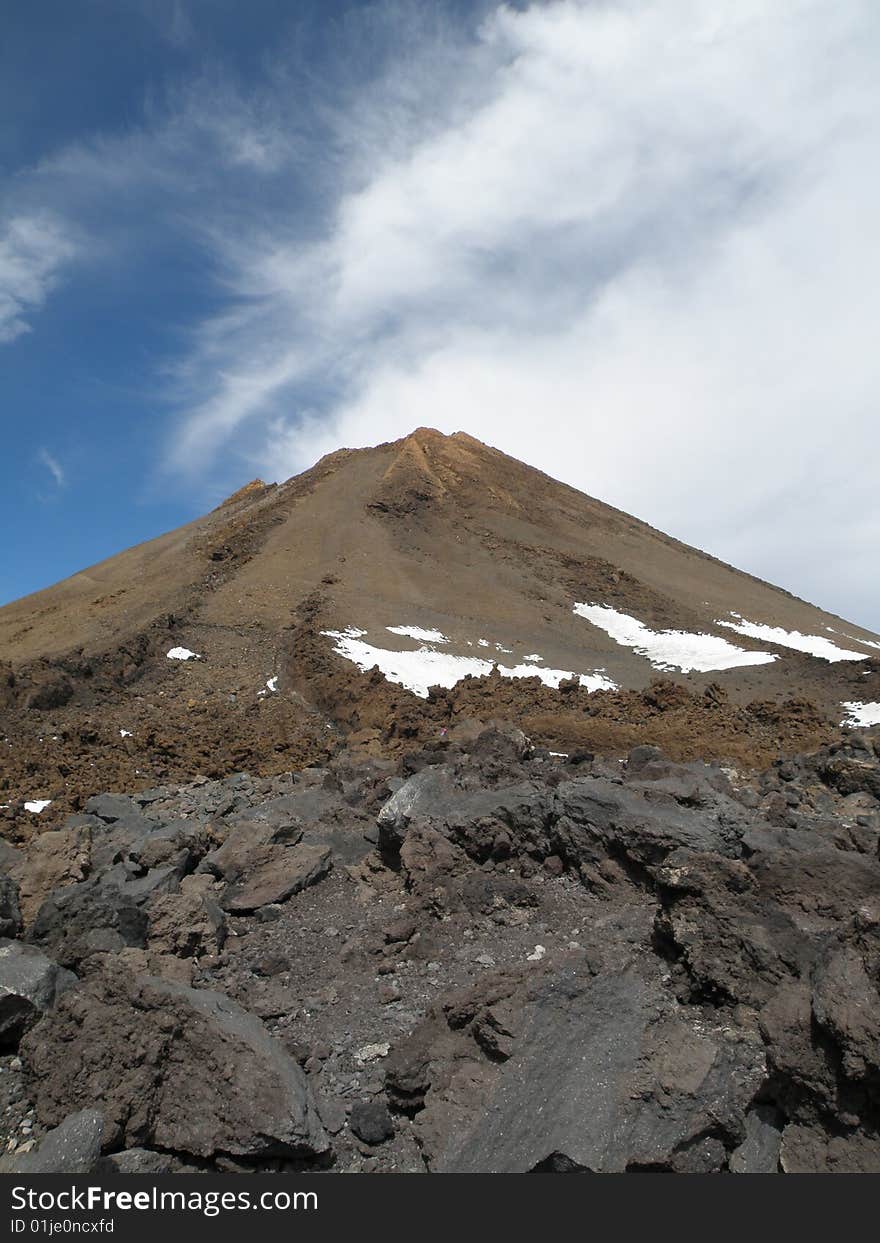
{"x": 641, "y": 255}
{"x": 633, "y": 244}
{"x": 33, "y": 247}
{"x": 53, "y": 466}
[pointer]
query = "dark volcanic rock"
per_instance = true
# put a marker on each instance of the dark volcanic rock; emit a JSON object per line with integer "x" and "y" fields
{"x": 278, "y": 878}
{"x": 10, "y": 912}
{"x": 72, "y": 1148}
{"x": 643, "y": 966}
{"x": 88, "y": 919}
{"x": 29, "y": 984}
{"x": 608, "y": 1074}
{"x": 171, "y": 1067}
{"x": 371, "y": 1122}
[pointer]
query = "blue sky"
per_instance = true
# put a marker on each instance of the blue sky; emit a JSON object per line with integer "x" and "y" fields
{"x": 633, "y": 244}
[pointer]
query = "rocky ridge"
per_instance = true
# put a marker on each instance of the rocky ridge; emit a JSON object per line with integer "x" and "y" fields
{"x": 473, "y": 956}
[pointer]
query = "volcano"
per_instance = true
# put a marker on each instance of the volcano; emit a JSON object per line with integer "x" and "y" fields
{"x": 383, "y": 595}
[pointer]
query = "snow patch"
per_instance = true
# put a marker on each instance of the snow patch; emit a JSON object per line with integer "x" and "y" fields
{"x": 861, "y": 714}
{"x": 125, "y": 733}
{"x": 182, "y": 653}
{"x": 37, "y": 805}
{"x": 272, "y": 684}
{"x": 533, "y": 656}
{"x": 417, "y": 633}
{"x": 671, "y": 649}
{"x": 425, "y": 667}
{"x": 812, "y": 644}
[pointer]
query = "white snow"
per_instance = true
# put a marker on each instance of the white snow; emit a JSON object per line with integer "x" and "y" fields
{"x": 425, "y": 667}
{"x": 182, "y": 653}
{"x": 533, "y": 656}
{"x": 537, "y": 954}
{"x": 416, "y": 632}
{"x": 125, "y": 733}
{"x": 414, "y": 670}
{"x": 272, "y": 684}
{"x": 482, "y": 642}
{"x": 37, "y": 805}
{"x": 671, "y": 649}
{"x": 812, "y": 644}
{"x": 862, "y": 714}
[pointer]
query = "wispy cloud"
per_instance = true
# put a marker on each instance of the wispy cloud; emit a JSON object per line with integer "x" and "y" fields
{"x": 53, "y": 466}
{"x": 33, "y": 249}
{"x": 634, "y": 244}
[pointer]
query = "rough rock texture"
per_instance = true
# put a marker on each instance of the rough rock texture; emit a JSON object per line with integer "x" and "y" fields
{"x": 607, "y": 1075}
{"x": 30, "y": 983}
{"x": 504, "y": 960}
{"x": 171, "y": 1067}
{"x": 72, "y": 1148}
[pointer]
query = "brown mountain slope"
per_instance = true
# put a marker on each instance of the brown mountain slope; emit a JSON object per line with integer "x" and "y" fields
{"x": 438, "y": 533}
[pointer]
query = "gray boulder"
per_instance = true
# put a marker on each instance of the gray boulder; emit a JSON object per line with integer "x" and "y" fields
{"x": 608, "y": 1075}
{"x": 279, "y": 878}
{"x": 173, "y": 1068}
{"x": 87, "y": 919}
{"x": 72, "y": 1148}
{"x": 29, "y": 984}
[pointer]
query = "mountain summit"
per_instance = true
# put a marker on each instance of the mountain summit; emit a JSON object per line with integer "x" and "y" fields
{"x": 330, "y": 605}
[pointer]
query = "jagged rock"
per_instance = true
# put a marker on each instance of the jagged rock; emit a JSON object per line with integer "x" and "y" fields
{"x": 10, "y": 911}
{"x": 610, "y": 1075}
{"x": 733, "y": 943}
{"x": 29, "y": 984}
{"x": 250, "y": 845}
{"x": 807, "y": 1150}
{"x": 186, "y": 925}
{"x": 72, "y": 1148}
{"x": 851, "y": 775}
{"x": 55, "y": 858}
{"x": 53, "y": 693}
{"x": 88, "y": 919}
{"x": 143, "y": 1161}
{"x": 422, "y": 794}
{"x": 371, "y": 1122}
{"x": 846, "y": 1006}
{"x": 759, "y": 1151}
{"x": 112, "y": 807}
{"x": 426, "y": 857}
{"x": 172, "y": 1068}
{"x": 278, "y": 878}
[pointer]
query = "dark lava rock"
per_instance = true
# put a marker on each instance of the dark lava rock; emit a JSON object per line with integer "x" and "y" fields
{"x": 88, "y": 919}
{"x": 10, "y": 912}
{"x": 279, "y": 878}
{"x": 611, "y": 1075}
{"x": 173, "y": 1068}
{"x": 371, "y": 1122}
{"x": 29, "y": 984}
{"x": 72, "y": 1148}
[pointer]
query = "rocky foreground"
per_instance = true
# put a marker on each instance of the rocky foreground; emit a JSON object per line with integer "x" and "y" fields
{"x": 481, "y": 957}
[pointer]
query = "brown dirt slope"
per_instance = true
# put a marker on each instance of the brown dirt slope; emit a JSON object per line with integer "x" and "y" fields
{"x": 440, "y": 532}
